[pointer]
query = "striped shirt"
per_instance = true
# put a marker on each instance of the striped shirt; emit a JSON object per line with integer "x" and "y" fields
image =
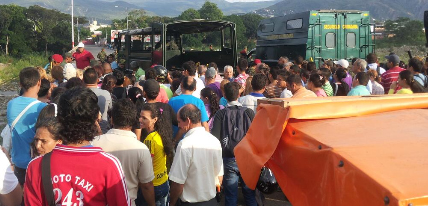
{"x": 390, "y": 76}
{"x": 80, "y": 176}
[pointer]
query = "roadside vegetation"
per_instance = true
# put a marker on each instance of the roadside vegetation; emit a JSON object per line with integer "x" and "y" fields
{"x": 11, "y": 66}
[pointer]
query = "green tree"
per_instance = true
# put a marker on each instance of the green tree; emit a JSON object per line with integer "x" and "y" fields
{"x": 251, "y": 23}
{"x": 14, "y": 27}
{"x": 189, "y": 14}
{"x": 241, "y": 30}
{"x": 403, "y": 31}
{"x": 210, "y": 11}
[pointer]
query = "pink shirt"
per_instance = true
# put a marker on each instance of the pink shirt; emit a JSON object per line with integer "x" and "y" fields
{"x": 321, "y": 93}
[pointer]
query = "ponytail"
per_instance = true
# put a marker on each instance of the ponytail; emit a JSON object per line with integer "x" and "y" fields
{"x": 416, "y": 87}
{"x": 213, "y": 99}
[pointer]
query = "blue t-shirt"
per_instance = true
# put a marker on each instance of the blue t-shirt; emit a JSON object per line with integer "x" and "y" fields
{"x": 183, "y": 99}
{"x": 359, "y": 90}
{"x": 24, "y": 130}
{"x": 223, "y": 102}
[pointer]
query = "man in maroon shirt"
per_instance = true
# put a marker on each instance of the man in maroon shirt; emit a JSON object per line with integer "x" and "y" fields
{"x": 83, "y": 57}
{"x": 81, "y": 174}
{"x": 392, "y": 74}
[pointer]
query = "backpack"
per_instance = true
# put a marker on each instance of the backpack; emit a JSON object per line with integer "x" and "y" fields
{"x": 425, "y": 80}
{"x": 233, "y": 128}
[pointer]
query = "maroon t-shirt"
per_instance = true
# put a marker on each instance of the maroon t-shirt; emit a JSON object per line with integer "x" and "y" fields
{"x": 83, "y": 59}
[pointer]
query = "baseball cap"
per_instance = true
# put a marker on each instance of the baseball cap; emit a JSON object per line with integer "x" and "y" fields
{"x": 57, "y": 58}
{"x": 210, "y": 73}
{"x": 344, "y": 63}
{"x": 151, "y": 86}
{"x": 80, "y": 45}
{"x": 68, "y": 55}
{"x": 393, "y": 58}
{"x": 257, "y": 61}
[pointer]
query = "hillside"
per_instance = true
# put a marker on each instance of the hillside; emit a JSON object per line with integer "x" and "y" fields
{"x": 106, "y": 10}
{"x": 379, "y": 9}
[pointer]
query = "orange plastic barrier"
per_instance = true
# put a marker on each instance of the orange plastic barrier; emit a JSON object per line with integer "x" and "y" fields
{"x": 341, "y": 151}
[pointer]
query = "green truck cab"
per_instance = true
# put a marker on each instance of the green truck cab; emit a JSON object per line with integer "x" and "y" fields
{"x": 315, "y": 35}
{"x": 172, "y": 44}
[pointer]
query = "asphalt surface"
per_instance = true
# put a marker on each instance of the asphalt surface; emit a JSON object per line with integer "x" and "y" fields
{"x": 275, "y": 199}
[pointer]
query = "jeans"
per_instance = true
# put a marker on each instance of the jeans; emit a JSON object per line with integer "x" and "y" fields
{"x": 230, "y": 185}
{"x": 161, "y": 195}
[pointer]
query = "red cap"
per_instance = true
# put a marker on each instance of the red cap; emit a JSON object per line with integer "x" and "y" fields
{"x": 257, "y": 61}
{"x": 57, "y": 58}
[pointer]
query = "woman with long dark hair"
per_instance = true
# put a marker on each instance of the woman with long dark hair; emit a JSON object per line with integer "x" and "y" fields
{"x": 407, "y": 83}
{"x": 315, "y": 84}
{"x": 159, "y": 142}
{"x": 340, "y": 87}
{"x": 210, "y": 99}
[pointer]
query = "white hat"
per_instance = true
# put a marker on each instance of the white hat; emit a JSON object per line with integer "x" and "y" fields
{"x": 80, "y": 45}
{"x": 69, "y": 71}
{"x": 344, "y": 63}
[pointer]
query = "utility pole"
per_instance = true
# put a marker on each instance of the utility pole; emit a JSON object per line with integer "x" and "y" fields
{"x": 78, "y": 30}
{"x": 127, "y": 27}
{"x": 72, "y": 24}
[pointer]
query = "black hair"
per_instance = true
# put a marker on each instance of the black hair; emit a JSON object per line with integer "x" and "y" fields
{"x": 57, "y": 73}
{"x": 132, "y": 79}
{"x": 190, "y": 67}
{"x": 176, "y": 74}
{"x": 28, "y": 77}
{"x": 299, "y": 60}
{"x": 90, "y": 76}
{"x": 52, "y": 125}
{"x": 326, "y": 73}
{"x": 417, "y": 64}
{"x": 45, "y": 86}
{"x": 214, "y": 65}
{"x": 74, "y": 82}
{"x": 274, "y": 72}
{"x": 363, "y": 78}
{"x": 231, "y": 91}
{"x": 77, "y": 111}
{"x": 344, "y": 88}
{"x": 242, "y": 64}
{"x": 124, "y": 114}
{"x": 188, "y": 83}
{"x": 46, "y": 113}
{"x": 264, "y": 68}
{"x": 295, "y": 69}
{"x": 150, "y": 74}
{"x": 354, "y": 60}
{"x": 56, "y": 93}
{"x": 294, "y": 78}
{"x": 120, "y": 77}
{"x": 175, "y": 84}
{"x": 304, "y": 73}
{"x": 135, "y": 94}
{"x": 99, "y": 69}
{"x": 371, "y": 58}
{"x": 213, "y": 99}
{"x": 317, "y": 79}
{"x": 162, "y": 126}
{"x": 283, "y": 73}
{"x": 408, "y": 77}
{"x": 190, "y": 111}
{"x": 109, "y": 82}
{"x": 311, "y": 66}
{"x": 259, "y": 82}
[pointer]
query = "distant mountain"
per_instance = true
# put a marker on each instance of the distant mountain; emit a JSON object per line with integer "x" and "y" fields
{"x": 107, "y": 10}
{"x": 379, "y": 9}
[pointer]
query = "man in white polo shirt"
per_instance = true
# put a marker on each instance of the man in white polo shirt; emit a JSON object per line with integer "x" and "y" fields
{"x": 134, "y": 156}
{"x": 198, "y": 165}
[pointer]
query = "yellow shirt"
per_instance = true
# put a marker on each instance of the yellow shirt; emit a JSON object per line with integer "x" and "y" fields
{"x": 154, "y": 142}
{"x": 401, "y": 91}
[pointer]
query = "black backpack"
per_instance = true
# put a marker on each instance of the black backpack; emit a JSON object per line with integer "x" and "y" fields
{"x": 234, "y": 127}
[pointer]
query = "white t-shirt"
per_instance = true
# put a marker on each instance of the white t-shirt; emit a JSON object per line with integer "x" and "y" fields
{"x": 286, "y": 94}
{"x": 374, "y": 67}
{"x": 197, "y": 164}
{"x": 249, "y": 101}
{"x": 199, "y": 86}
{"x": 134, "y": 156}
{"x": 8, "y": 180}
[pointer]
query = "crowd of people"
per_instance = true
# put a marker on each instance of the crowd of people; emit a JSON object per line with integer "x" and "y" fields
{"x": 95, "y": 133}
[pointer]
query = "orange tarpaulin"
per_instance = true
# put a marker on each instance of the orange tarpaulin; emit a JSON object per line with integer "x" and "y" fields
{"x": 341, "y": 151}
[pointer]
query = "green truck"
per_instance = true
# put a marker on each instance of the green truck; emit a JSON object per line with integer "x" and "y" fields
{"x": 315, "y": 35}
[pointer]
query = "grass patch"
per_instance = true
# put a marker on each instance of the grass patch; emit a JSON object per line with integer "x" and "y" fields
{"x": 14, "y": 65}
